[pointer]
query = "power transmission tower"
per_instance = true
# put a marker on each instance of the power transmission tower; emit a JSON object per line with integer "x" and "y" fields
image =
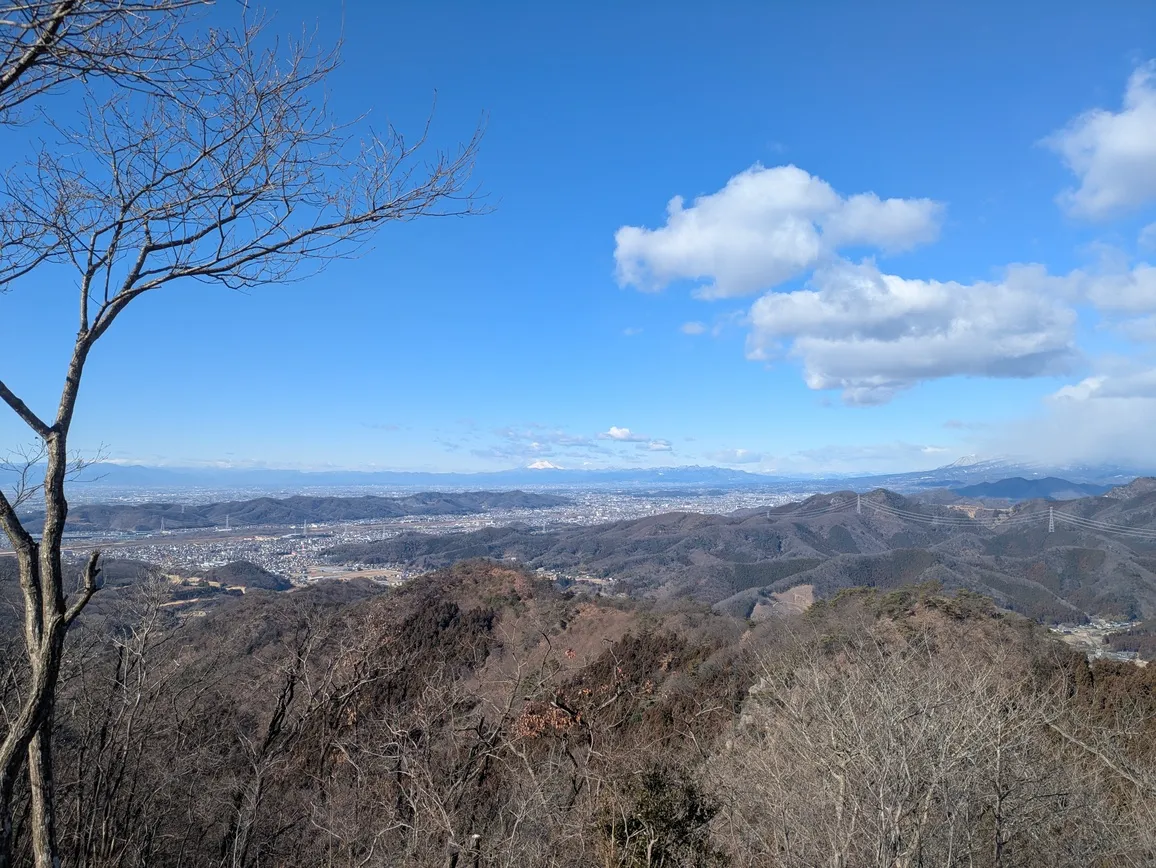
{"x": 858, "y": 504}
{"x": 1051, "y": 519}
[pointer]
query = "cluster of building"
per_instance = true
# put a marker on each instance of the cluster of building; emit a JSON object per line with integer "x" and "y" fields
{"x": 1092, "y": 639}
{"x": 297, "y": 553}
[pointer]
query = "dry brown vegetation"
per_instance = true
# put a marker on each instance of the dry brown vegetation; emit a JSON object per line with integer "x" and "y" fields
{"x": 480, "y": 717}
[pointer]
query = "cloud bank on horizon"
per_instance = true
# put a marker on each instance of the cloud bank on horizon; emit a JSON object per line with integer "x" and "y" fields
{"x": 852, "y": 326}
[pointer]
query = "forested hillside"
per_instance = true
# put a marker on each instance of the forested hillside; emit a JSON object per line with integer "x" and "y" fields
{"x": 479, "y": 716}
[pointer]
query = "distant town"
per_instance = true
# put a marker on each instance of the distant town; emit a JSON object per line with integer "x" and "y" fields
{"x": 295, "y": 552}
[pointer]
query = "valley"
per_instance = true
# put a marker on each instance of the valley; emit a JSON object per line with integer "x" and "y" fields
{"x": 748, "y": 553}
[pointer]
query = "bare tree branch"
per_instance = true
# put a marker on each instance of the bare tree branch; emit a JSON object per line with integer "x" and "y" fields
{"x": 38, "y": 426}
{"x": 47, "y": 43}
{"x": 213, "y": 159}
{"x": 90, "y": 584}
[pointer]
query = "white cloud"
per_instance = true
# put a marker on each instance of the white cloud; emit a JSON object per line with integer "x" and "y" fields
{"x": 540, "y": 446}
{"x": 693, "y": 328}
{"x": 537, "y": 442}
{"x": 1123, "y": 294}
{"x": 1130, "y": 291}
{"x": 622, "y": 435}
{"x": 871, "y": 334}
{"x": 1139, "y": 383}
{"x": 625, "y": 435}
{"x": 891, "y": 224}
{"x": 1108, "y": 417}
{"x": 735, "y": 456}
{"x": 764, "y": 227}
{"x": 1113, "y": 154}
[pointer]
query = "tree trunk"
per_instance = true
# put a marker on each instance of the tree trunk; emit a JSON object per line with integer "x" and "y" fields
{"x": 24, "y": 731}
{"x": 7, "y": 782}
{"x": 46, "y": 622}
{"x": 42, "y": 790}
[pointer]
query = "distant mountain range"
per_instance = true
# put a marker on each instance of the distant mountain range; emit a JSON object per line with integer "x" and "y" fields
{"x": 974, "y": 471}
{"x": 285, "y": 511}
{"x": 1017, "y": 488}
{"x": 965, "y": 472}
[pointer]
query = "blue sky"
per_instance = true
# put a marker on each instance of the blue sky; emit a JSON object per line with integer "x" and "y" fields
{"x": 907, "y": 232}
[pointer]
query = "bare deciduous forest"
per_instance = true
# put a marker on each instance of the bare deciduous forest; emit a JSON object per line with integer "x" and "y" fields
{"x": 482, "y": 717}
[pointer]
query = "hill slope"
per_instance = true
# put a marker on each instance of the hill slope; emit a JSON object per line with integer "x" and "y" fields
{"x": 480, "y": 712}
{"x": 1018, "y": 488}
{"x": 1078, "y": 570}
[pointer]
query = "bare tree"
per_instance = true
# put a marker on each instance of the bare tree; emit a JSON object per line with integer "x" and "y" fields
{"x": 47, "y": 43}
{"x": 897, "y": 751}
{"x": 239, "y": 176}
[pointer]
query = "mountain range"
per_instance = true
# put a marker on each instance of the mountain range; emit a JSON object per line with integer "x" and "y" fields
{"x": 1082, "y": 568}
{"x": 1018, "y": 488}
{"x": 105, "y": 476}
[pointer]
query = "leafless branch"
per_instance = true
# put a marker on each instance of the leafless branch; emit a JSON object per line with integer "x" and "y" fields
{"x": 45, "y": 44}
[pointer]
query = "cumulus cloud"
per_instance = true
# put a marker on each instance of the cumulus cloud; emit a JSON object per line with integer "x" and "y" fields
{"x": 764, "y": 227}
{"x": 622, "y": 435}
{"x": 1127, "y": 291}
{"x": 693, "y": 328}
{"x": 889, "y": 224}
{"x": 659, "y": 446}
{"x": 1113, "y": 154}
{"x": 1123, "y": 294}
{"x": 871, "y": 334}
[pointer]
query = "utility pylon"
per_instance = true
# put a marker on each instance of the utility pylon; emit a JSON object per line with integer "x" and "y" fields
{"x": 1051, "y": 519}
{"x": 858, "y": 504}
